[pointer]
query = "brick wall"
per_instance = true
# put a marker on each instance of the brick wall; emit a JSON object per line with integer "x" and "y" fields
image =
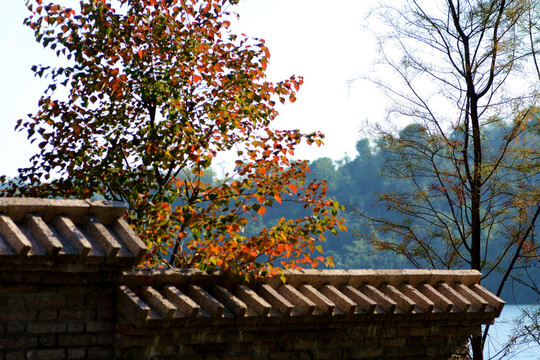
{"x": 56, "y": 316}
{"x": 72, "y": 314}
{"x": 75, "y": 315}
{"x": 337, "y": 341}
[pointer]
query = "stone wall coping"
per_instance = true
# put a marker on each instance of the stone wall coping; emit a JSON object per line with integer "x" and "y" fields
{"x": 52, "y": 232}
{"x": 105, "y": 211}
{"x": 167, "y": 297}
{"x": 355, "y": 277}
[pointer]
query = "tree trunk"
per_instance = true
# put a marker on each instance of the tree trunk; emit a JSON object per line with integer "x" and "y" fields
{"x": 476, "y": 191}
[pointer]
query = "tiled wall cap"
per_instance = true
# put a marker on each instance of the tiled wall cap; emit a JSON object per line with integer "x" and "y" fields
{"x": 361, "y": 276}
{"x": 331, "y": 297}
{"x": 106, "y": 211}
{"x": 17, "y": 208}
{"x": 275, "y": 281}
{"x": 3, "y": 205}
{"x": 158, "y": 277}
{"x": 392, "y": 277}
{"x": 466, "y": 277}
{"x": 296, "y": 277}
{"x": 334, "y": 277}
{"x": 60, "y": 231}
{"x": 205, "y": 280}
{"x": 415, "y": 276}
{"x": 72, "y": 208}
{"x": 312, "y": 276}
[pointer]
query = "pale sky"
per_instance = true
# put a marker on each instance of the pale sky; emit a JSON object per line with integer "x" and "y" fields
{"x": 326, "y": 44}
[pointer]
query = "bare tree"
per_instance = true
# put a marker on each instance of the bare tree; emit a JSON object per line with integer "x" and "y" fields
{"x": 459, "y": 70}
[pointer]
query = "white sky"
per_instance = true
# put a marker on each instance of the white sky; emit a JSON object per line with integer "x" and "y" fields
{"x": 327, "y": 44}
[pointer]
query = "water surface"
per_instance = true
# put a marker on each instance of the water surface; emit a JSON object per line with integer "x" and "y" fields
{"x": 502, "y": 330}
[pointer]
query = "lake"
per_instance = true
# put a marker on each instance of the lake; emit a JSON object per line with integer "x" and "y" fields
{"x": 503, "y": 328}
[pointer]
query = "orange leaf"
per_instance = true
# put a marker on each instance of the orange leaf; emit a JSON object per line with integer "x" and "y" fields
{"x": 278, "y": 199}
{"x": 294, "y": 188}
{"x": 261, "y": 210}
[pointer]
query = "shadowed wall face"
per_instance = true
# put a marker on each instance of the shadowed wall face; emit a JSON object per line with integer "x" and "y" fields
{"x": 59, "y": 318}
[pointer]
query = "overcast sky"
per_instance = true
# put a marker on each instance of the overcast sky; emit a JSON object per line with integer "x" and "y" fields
{"x": 327, "y": 45}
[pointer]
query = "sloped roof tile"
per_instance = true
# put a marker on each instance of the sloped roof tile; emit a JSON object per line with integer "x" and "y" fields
{"x": 60, "y": 231}
{"x": 307, "y": 296}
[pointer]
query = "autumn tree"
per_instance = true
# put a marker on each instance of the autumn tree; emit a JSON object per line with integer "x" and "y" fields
{"x": 459, "y": 68}
{"x": 152, "y": 92}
